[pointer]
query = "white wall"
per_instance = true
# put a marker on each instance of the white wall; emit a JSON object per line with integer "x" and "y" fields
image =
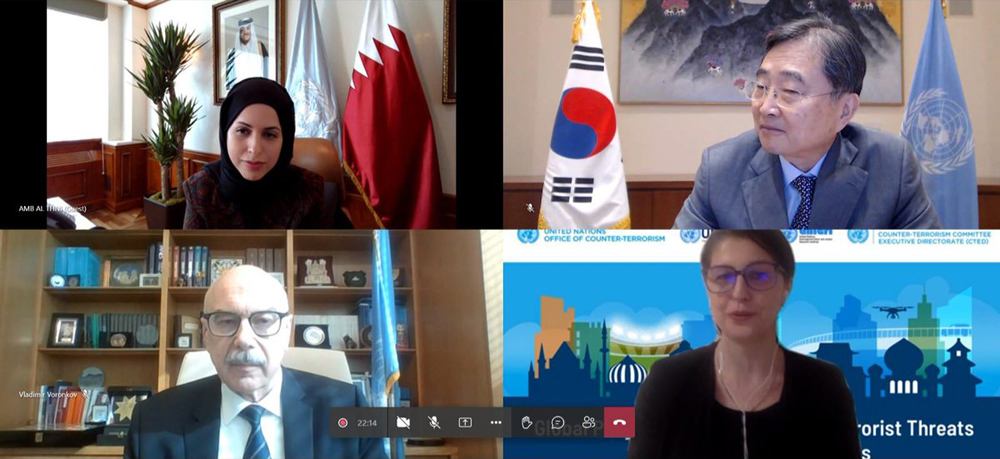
{"x": 422, "y": 20}
{"x": 669, "y": 139}
{"x": 115, "y": 71}
{"x": 76, "y": 78}
{"x": 134, "y": 102}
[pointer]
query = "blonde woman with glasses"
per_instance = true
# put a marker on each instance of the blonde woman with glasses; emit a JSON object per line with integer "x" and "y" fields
{"x": 745, "y": 396}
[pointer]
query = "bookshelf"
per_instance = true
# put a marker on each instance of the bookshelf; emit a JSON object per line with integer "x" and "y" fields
{"x": 158, "y": 367}
{"x": 445, "y": 364}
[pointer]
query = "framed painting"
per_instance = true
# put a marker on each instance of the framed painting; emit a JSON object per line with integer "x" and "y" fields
{"x": 703, "y": 51}
{"x": 247, "y": 41}
{"x": 448, "y": 73}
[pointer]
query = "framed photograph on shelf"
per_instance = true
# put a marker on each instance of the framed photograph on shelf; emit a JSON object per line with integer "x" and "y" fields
{"x": 66, "y": 330}
{"x": 315, "y": 271}
{"x": 184, "y": 341}
{"x": 149, "y": 280}
{"x": 123, "y": 401}
{"x": 247, "y": 41}
{"x": 125, "y": 271}
{"x": 221, "y": 265}
{"x": 280, "y": 277}
{"x": 100, "y": 410}
{"x": 73, "y": 280}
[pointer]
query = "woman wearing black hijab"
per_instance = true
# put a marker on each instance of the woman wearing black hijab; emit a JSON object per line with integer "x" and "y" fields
{"x": 253, "y": 185}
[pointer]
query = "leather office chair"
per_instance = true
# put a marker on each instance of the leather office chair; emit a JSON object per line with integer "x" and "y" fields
{"x": 320, "y": 156}
{"x": 324, "y": 362}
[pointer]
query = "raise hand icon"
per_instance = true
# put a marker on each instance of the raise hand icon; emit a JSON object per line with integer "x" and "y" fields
{"x": 526, "y": 423}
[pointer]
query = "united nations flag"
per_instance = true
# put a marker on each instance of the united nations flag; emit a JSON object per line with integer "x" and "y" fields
{"x": 585, "y": 179}
{"x": 938, "y": 127}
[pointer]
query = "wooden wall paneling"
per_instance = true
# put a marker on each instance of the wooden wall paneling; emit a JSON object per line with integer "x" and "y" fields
{"x": 194, "y": 161}
{"x": 20, "y": 279}
{"x": 516, "y": 198}
{"x": 126, "y": 175}
{"x": 989, "y": 204}
{"x": 451, "y": 333}
{"x": 74, "y": 172}
{"x": 69, "y": 146}
{"x": 641, "y": 209}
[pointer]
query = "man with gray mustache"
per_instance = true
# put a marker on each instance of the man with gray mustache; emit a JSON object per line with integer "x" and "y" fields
{"x": 254, "y": 408}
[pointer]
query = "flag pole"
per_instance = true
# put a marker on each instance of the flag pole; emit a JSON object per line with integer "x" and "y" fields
{"x": 391, "y": 403}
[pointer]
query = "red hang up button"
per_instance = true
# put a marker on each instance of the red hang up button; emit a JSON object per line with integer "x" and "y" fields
{"x": 619, "y": 421}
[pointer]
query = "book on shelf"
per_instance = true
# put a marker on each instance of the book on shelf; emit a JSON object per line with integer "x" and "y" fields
{"x": 191, "y": 266}
{"x": 176, "y": 270}
{"x": 154, "y": 258}
{"x": 65, "y": 404}
{"x": 143, "y": 327}
{"x": 78, "y": 261}
{"x": 402, "y": 337}
{"x": 251, "y": 258}
{"x": 279, "y": 261}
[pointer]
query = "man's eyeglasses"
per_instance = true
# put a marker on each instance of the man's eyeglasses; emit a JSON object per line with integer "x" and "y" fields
{"x": 758, "y": 276}
{"x": 755, "y": 90}
{"x": 226, "y": 324}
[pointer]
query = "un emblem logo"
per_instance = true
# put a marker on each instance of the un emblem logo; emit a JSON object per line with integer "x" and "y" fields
{"x": 690, "y": 236}
{"x": 791, "y": 235}
{"x": 939, "y": 131}
{"x": 527, "y": 236}
{"x": 857, "y": 236}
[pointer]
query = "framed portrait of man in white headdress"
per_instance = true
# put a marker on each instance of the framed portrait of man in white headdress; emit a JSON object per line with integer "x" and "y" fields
{"x": 248, "y": 41}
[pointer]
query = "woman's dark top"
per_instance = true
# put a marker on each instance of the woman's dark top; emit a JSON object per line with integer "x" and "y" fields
{"x": 677, "y": 416}
{"x": 299, "y": 205}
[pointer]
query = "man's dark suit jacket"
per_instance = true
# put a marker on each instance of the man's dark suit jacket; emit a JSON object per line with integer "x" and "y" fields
{"x": 869, "y": 180}
{"x": 183, "y": 421}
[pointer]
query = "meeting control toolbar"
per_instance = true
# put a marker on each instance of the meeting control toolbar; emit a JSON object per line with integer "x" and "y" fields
{"x": 484, "y": 422}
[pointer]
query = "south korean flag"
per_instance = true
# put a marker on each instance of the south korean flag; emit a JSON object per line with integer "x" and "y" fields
{"x": 585, "y": 178}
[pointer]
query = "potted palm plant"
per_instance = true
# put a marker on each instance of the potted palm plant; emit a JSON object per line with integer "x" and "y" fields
{"x": 166, "y": 52}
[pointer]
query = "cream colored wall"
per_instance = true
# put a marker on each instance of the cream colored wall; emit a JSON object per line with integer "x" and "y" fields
{"x": 492, "y": 243}
{"x": 669, "y": 139}
{"x": 422, "y": 20}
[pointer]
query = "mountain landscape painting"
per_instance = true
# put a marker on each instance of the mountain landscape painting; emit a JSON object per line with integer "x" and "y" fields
{"x": 703, "y": 51}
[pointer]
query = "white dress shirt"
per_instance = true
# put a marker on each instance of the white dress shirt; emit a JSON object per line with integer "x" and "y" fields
{"x": 234, "y": 431}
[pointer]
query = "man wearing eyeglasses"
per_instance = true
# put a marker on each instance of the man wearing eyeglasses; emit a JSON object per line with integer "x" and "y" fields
{"x": 805, "y": 165}
{"x": 254, "y": 408}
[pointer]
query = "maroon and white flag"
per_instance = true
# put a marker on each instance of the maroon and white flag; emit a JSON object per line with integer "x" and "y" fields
{"x": 388, "y": 139}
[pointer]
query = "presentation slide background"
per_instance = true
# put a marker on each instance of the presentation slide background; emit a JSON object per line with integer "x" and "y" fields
{"x": 596, "y": 274}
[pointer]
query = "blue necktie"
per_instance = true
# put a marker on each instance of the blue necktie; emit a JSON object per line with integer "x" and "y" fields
{"x": 256, "y": 446}
{"x": 805, "y": 186}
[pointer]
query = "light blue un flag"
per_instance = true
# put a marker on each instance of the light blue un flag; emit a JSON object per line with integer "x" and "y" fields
{"x": 309, "y": 82}
{"x": 937, "y": 125}
{"x": 385, "y": 363}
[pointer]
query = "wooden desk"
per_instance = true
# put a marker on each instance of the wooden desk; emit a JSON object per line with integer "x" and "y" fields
{"x": 97, "y": 452}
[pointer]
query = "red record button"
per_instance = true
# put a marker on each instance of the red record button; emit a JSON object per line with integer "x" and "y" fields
{"x": 342, "y": 422}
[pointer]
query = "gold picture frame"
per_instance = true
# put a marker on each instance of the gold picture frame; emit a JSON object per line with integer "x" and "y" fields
{"x": 448, "y": 73}
{"x": 267, "y": 18}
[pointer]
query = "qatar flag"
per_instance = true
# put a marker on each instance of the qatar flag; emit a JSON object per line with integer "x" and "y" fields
{"x": 388, "y": 138}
